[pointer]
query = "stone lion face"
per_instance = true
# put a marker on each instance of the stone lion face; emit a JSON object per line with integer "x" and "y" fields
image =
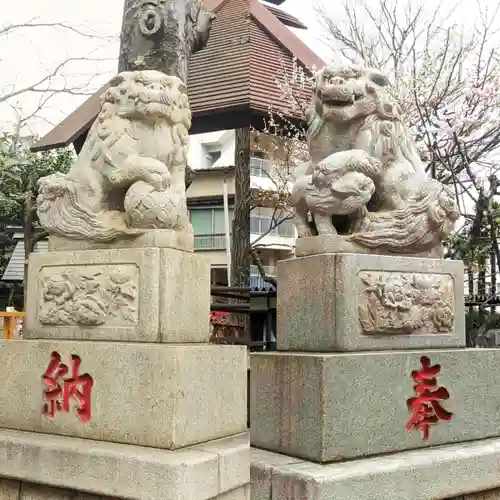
{"x": 348, "y": 93}
{"x": 147, "y": 96}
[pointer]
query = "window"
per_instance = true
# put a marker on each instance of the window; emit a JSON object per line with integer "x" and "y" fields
{"x": 259, "y": 167}
{"x": 262, "y": 219}
{"x": 286, "y": 229}
{"x": 212, "y": 157}
{"x": 209, "y": 220}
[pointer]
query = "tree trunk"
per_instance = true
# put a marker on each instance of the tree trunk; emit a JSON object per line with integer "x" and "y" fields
{"x": 240, "y": 242}
{"x": 163, "y": 38}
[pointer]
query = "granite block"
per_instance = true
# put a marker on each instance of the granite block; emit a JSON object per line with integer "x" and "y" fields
{"x": 339, "y": 244}
{"x": 262, "y": 466}
{"x": 9, "y": 489}
{"x": 161, "y": 395}
{"x": 132, "y": 295}
{"x": 242, "y": 493}
{"x": 434, "y": 473}
{"x": 31, "y": 491}
{"x": 114, "y": 470}
{"x": 331, "y": 407}
{"x": 355, "y": 302}
{"x": 484, "y": 495}
{"x": 155, "y": 238}
{"x": 234, "y": 462}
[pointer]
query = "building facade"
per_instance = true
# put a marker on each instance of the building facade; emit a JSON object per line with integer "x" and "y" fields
{"x": 211, "y": 156}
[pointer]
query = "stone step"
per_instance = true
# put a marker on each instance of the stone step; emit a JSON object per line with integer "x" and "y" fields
{"x": 213, "y": 470}
{"x": 440, "y": 472}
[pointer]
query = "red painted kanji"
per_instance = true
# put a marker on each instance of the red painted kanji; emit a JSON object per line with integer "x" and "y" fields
{"x": 60, "y": 390}
{"x": 218, "y": 316}
{"x": 425, "y": 406}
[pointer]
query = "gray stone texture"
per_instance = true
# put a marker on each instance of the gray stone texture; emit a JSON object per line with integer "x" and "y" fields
{"x": 155, "y": 238}
{"x": 29, "y": 491}
{"x": 484, "y": 495}
{"x": 261, "y": 471}
{"x": 238, "y": 494}
{"x": 319, "y": 299}
{"x": 334, "y": 243}
{"x": 233, "y": 462}
{"x": 9, "y": 489}
{"x": 442, "y": 472}
{"x": 166, "y": 299}
{"x": 17, "y": 490}
{"x": 41, "y": 492}
{"x": 331, "y": 407}
{"x": 116, "y": 470}
{"x": 161, "y": 395}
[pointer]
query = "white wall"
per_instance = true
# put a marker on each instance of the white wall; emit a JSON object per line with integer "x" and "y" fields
{"x": 200, "y": 144}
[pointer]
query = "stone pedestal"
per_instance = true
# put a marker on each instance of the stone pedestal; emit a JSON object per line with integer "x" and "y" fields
{"x": 132, "y": 295}
{"x": 115, "y": 390}
{"x": 372, "y": 394}
{"x": 355, "y": 302}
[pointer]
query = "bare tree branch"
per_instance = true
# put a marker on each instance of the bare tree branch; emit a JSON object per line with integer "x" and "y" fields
{"x": 10, "y": 28}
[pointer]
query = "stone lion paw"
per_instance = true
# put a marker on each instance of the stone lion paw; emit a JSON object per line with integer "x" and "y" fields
{"x": 160, "y": 182}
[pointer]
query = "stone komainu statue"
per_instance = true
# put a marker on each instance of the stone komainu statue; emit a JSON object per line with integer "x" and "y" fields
{"x": 129, "y": 177}
{"x": 366, "y": 181}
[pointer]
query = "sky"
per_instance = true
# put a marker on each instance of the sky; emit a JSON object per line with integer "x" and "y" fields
{"x": 31, "y": 53}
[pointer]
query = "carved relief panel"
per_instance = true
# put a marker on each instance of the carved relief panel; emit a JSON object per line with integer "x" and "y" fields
{"x": 89, "y": 295}
{"x": 406, "y": 303}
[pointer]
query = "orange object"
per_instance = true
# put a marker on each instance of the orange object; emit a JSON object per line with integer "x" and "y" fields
{"x": 9, "y": 323}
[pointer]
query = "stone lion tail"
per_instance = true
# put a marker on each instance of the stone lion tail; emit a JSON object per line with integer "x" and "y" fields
{"x": 61, "y": 212}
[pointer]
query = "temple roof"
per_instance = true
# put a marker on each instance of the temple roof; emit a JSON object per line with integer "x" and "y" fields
{"x": 235, "y": 74}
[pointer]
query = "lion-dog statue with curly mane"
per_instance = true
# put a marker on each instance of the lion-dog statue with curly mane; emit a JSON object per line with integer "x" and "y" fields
{"x": 129, "y": 177}
{"x": 365, "y": 183}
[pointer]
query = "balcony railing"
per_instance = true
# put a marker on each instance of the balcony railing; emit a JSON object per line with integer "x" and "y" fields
{"x": 210, "y": 241}
{"x": 269, "y": 270}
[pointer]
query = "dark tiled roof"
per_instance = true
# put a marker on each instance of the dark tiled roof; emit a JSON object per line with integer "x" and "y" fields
{"x": 219, "y": 75}
{"x": 236, "y": 70}
{"x": 15, "y": 268}
{"x": 286, "y": 18}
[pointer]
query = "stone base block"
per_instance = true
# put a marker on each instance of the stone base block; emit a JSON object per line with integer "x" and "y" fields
{"x": 331, "y": 407}
{"x": 436, "y": 473}
{"x": 133, "y": 295}
{"x": 155, "y": 238}
{"x": 71, "y": 468}
{"x": 336, "y": 243}
{"x": 353, "y": 302}
{"x": 17, "y": 490}
{"x": 161, "y": 395}
{"x": 238, "y": 494}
